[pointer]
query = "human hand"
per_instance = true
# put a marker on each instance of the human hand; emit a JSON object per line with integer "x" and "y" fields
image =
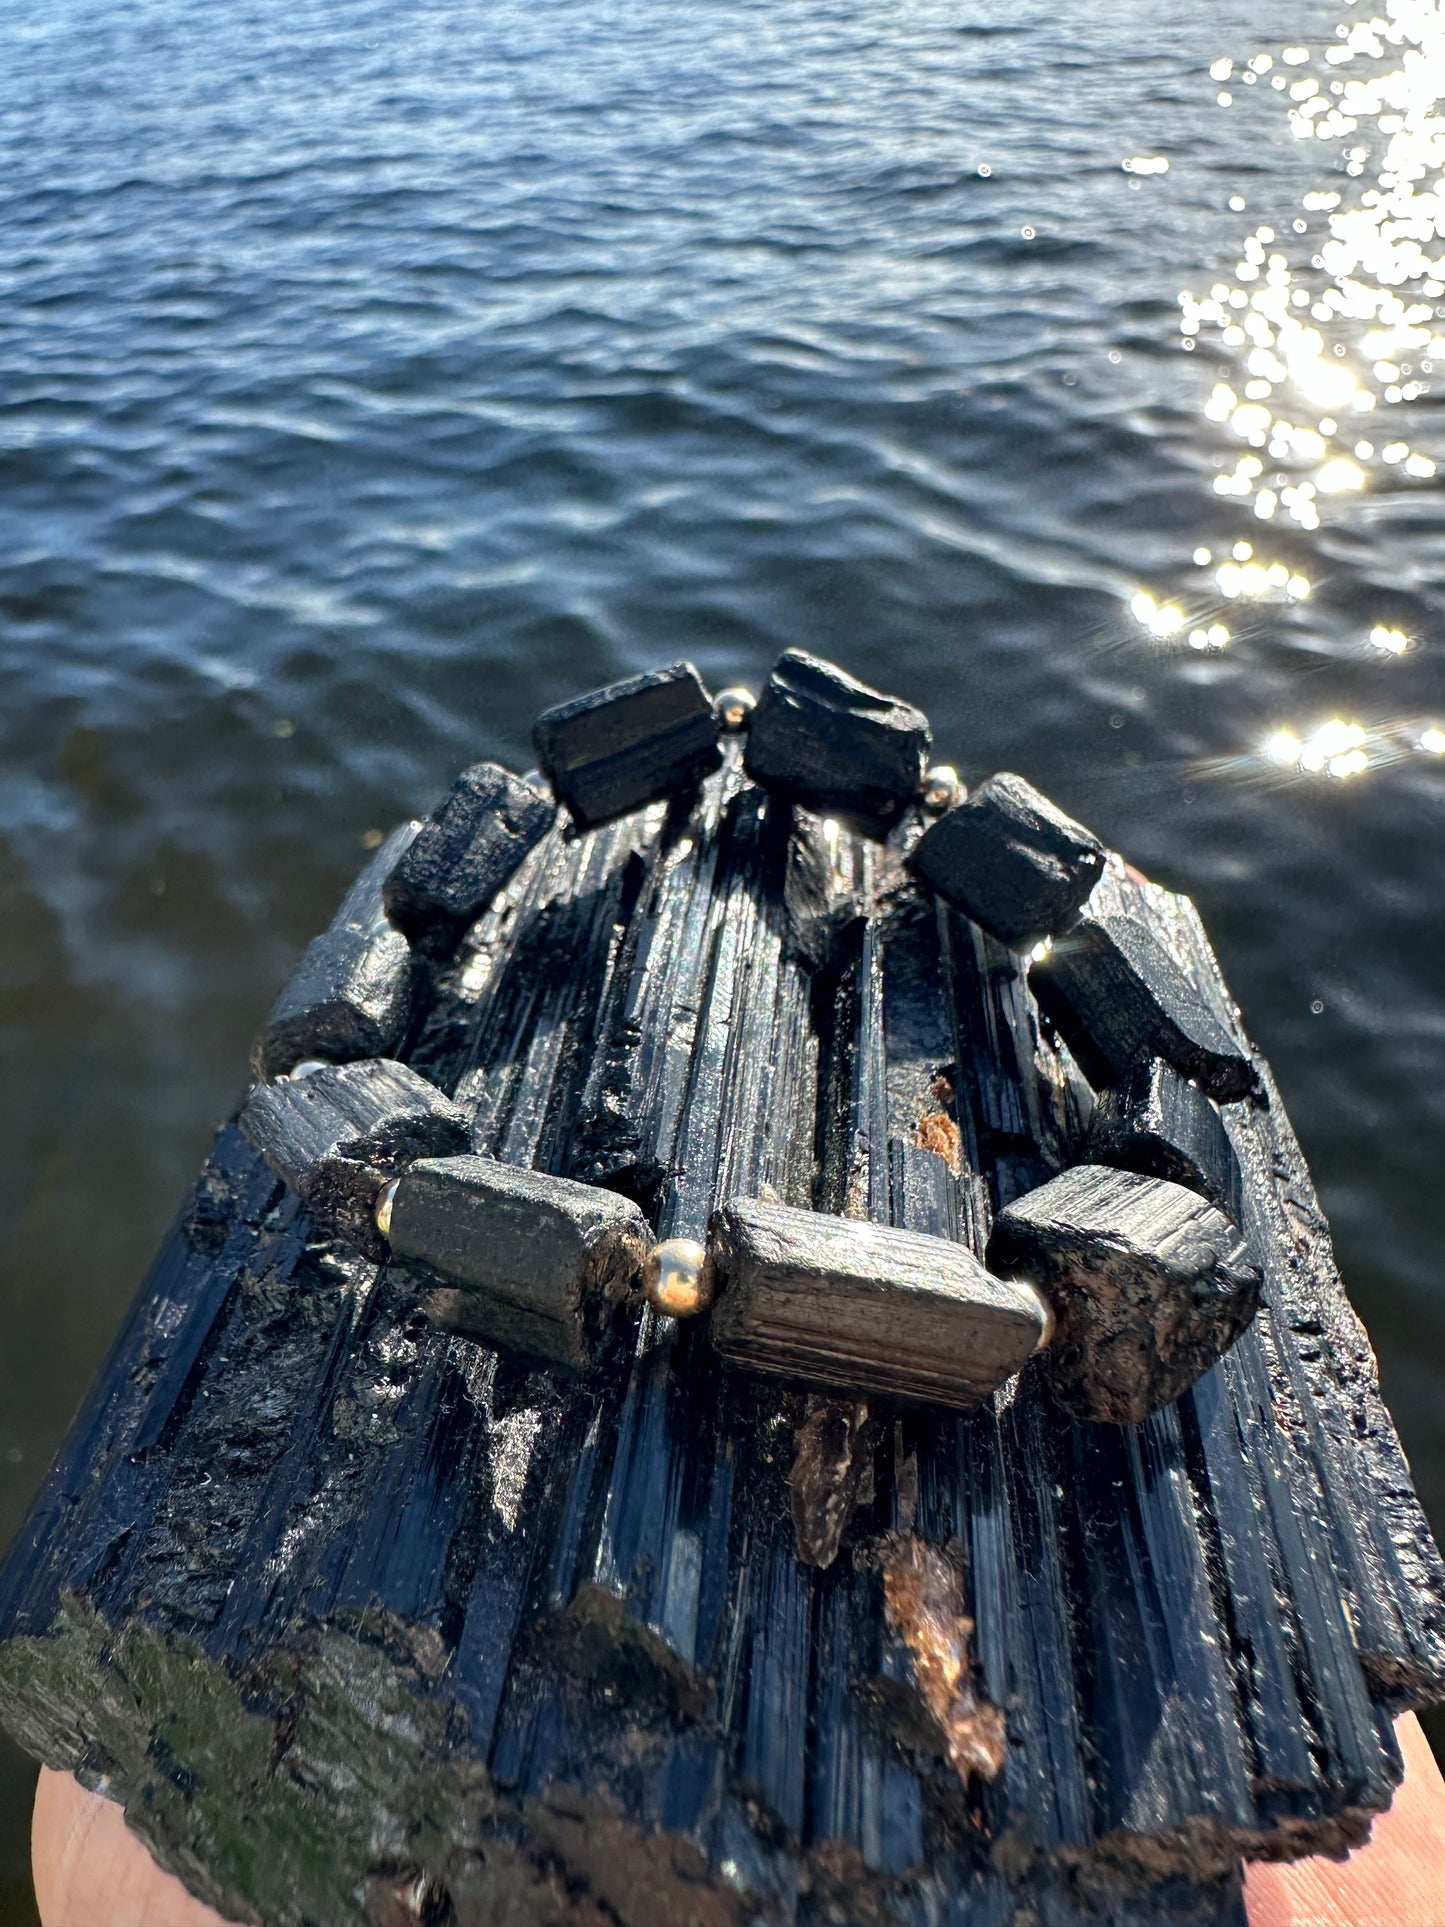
{"x": 1398, "y": 1880}
{"x": 90, "y": 1871}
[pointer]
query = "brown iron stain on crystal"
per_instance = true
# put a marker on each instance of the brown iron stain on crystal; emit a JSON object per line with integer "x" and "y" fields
{"x": 831, "y": 1476}
{"x": 938, "y": 1133}
{"x": 923, "y": 1598}
{"x": 855, "y": 1204}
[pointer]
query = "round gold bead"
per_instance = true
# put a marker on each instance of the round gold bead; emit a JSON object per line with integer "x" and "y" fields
{"x": 1048, "y": 1323}
{"x": 678, "y": 1278}
{"x": 941, "y": 788}
{"x": 385, "y": 1198}
{"x": 732, "y": 707}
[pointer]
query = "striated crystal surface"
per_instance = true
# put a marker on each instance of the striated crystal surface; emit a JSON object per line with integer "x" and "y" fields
{"x": 465, "y": 853}
{"x": 1010, "y": 859}
{"x": 344, "y": 1605}
{"x": 351, "y": 994}
{"x": 1160, "y": 1123}
{"x": 1149, "y": 1283}
{"x": 864, "y": 1307}
{"x": 823, "y": 738}
{"x": 1113, "y": 986}
{"x": 336, "y": 1135}
{"x": 636, "y": 741}
{"x": 522, "y": 1260}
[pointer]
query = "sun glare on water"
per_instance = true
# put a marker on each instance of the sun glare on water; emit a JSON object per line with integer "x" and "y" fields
{"x": 1331, "y": 317}
{"x": 1332, "y": 321}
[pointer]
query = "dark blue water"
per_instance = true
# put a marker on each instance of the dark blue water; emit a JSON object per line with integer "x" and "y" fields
{"x": 373, "y": 375}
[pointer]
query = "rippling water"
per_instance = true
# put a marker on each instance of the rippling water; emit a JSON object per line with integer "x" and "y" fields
{"x": 373, "y": 375}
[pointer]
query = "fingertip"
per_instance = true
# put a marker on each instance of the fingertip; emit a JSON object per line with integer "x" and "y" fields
{"x": 90, "y": 1870}
{"x": 1397, "y": 1880}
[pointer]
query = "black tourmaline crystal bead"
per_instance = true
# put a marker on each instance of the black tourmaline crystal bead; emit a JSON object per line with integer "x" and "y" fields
{"x": 336, "y": 1136}
{"x": 465, "y": 854}
{"x": 527, "y": 1262}
{"x": 864, "y": 1307}
{"x": 635, "y": 742}
{"x": 1149, "y": 1284}
{"x": 350, "y": 995}
{"x": 826, "y": 740}
{"x": 1117, "y": 997}
{"x": 1161, "y": 1124}
{"x": 1010, "y": 860}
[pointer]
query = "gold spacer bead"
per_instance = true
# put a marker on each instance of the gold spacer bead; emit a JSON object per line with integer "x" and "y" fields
{"x": 1049, "y": 1323}
{"x": 941, "y": 788}
{"x": 732, "y": 707}
{"x": 385, "y": 1198}
{"x": 679, "y": 1278}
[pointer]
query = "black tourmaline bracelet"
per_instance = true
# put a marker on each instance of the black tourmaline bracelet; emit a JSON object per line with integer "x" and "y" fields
{"x": 1127, "y": 1274}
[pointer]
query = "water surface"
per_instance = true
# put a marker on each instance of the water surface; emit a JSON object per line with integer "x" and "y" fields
{"x": 371, "y": 376}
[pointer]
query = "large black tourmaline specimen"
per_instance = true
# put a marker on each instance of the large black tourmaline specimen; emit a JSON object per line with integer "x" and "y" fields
{"x": 1149, "y": 1284}
{"x": 336, "y": 1135}
{"x": 1011, "y": 860}
{"x": 527, "y": 1261}
{"x": 823, "y": 738}
{"x": 634, "y": 742}
{"x": 864, "y": 1307}
{"x": 1162, "y": 1124}
{"x": 365, "y": 1622}
{"x": 351, "y": 994}
{"x": 1117, "y": 995}
{"x": 463, "y": 856}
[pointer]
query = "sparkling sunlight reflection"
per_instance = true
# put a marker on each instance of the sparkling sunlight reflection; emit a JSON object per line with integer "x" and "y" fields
{"x": 1334, "y": 320}
{"x": 1326, "y": 322}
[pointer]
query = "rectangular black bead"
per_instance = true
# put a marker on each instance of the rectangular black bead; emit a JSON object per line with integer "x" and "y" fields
{"x": 529, "y": 1262}
{"x": 469, "y": 849}
{"x": 337, "y": 1134}
{"x": 634, "y": 742}
{"x": 1149, "y": 1284}
{"x": 821, "y": 737}
{"x": 1160, "y": 1123}
{"x": 1010, "y": 859}
{"x": 864, "y": 1307}
{"x": 351, "y": 994}
{"x": 1118, "y": 996}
